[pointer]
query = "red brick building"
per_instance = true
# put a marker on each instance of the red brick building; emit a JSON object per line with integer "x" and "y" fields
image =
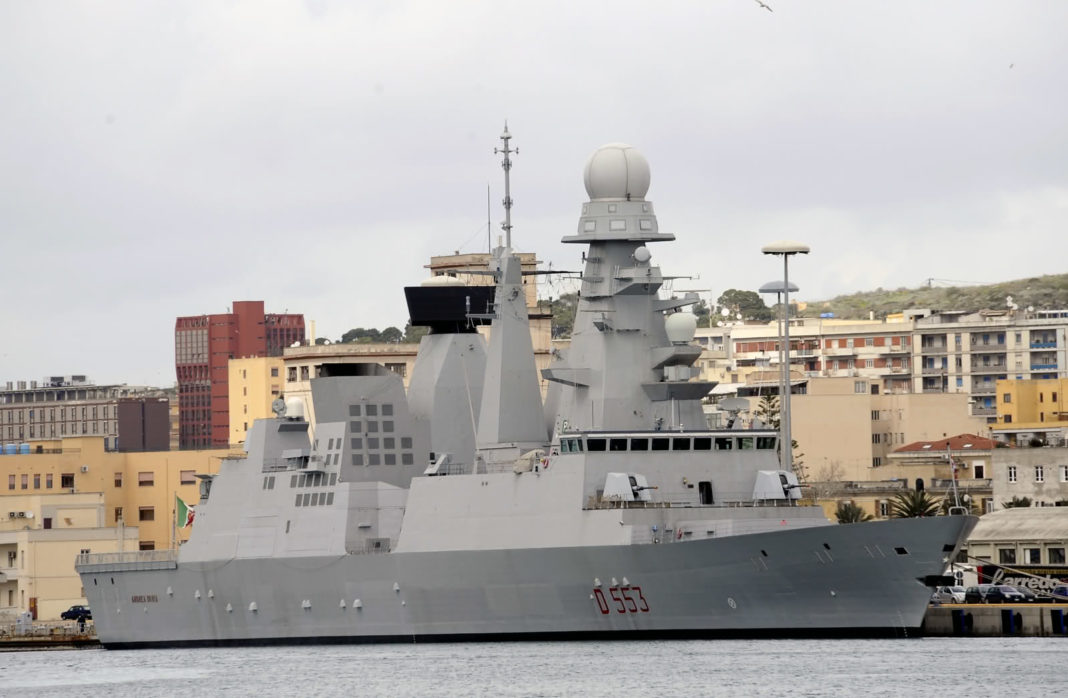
{"x": 203, "y": 345}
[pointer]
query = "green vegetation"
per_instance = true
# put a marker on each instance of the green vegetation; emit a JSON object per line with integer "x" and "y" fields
{"x": 851, "y": 513}
{"x": 914, "y": 503}
{"x": 1042, "y": 292}
{"x": 1017, "y": 502}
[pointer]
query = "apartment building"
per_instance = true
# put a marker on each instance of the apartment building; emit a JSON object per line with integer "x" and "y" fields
{"x": 254, "y": 384}
{"x": 203, "y": 347}
{"x": 74, "y": 496}
{"x": 128, "y": 418}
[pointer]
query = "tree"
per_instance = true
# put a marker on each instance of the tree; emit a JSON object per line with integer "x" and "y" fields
{"x": 701, "y": 311}
{"x": 848, "y": 512}
{"x": 768, "y": 410}
{"x": 911, "y": 504}
{"x": 563, "y": 310}
{"x": 362, "y": 335}
{"x": 748, "y": 304}
{"x": 414, "y": 333}
{"x": 391, "y": 334}
{"x": 1017, "y": 502}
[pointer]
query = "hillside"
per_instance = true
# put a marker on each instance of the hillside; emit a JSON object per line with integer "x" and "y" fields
{"x": 1043, "y": 292}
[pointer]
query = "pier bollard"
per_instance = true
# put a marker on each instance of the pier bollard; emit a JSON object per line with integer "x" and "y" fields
{"x": 1011, "y": 622}
{"x": 1056, "y": 618}
{"x": 961, "y": 626}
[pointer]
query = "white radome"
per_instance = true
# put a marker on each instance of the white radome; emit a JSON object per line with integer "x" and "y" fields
{"x": 680, "y": 327}
{"x": 294, "y": 408}
{"x": 617, "y": 171}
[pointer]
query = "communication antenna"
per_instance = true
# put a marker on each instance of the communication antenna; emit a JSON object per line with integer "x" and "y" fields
{"x": 506, "y": 165}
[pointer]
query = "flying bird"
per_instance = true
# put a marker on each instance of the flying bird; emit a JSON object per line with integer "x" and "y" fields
{"x": 763, "y": 5}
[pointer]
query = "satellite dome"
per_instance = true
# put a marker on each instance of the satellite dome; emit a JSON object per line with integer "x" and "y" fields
{"x": 294, "y": 408}
{"x": 617, "y": 171}
{"x": 680, "y": 327}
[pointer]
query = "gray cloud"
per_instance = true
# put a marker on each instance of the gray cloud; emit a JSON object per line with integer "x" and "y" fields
{"x": 164, "y": 159}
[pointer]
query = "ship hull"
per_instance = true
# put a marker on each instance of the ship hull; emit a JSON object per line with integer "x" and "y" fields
{"x": 859, "y": 580}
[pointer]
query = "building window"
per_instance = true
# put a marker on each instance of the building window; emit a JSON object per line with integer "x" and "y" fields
{"x": 118, "y": 514}
{"x": 274, "y": 372}
{"x": 188, "y": 477}
{"x": 876, "y": 462}
{"x": 1064, "y": 473}
{"x": 860, "y": 387}
{"x": 1007, "y": 556}
{"x": 146, "y": 513}
{"x": 118, "y": 479}
{"x": 36, "y": 481}
{"x": 304, "y": 373}
{"x": 1006, "y": 398}
{"x": 1056, "y": 556}
{"x": 979, "y": 472}
{"x": 1012, "y": 473}
{"x": 147, "y": 545}
{"x": 66, "y": 481}
{"x": 48, "y": 481}
{"x": 11, "y": 482}
{"x": 146, "y": 479}
{"x": 875, "y": 415}
{"x": 875, "y": 438}
{"x": 291, "y": 373}
{"x": 1040, "y": 473}
{"x": 884, "y": 508}
{"x": 1032, "y": 556}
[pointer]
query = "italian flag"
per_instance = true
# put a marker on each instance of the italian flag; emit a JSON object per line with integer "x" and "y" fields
{"x": 184, "y": 513}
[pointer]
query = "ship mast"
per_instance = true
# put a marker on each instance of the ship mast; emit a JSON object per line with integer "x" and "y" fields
{"x": 506, "y": 165}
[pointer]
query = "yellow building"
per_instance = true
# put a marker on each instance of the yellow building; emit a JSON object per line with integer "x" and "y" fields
{"x": 73, "y": 493}
{"x": 37, "y": 560}
{"x": 1032, "y": 409}
{"x": 254, "y": 383}
{"x": 847, "y": 433}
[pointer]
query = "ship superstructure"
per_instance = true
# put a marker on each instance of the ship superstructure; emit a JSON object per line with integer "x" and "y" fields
{"x": 465, "y": 509}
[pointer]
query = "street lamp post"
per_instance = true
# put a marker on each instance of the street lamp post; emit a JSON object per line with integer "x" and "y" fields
{"x": 777, "y": 287}
{"x": 785, "y": 248}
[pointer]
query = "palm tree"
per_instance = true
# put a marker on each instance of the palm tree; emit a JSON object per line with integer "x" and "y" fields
{"x": 848, "y": 512}
{"x": 914, "y": 503}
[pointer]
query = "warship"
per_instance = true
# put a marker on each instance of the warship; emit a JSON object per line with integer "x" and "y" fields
{"x": 467, "y": 507}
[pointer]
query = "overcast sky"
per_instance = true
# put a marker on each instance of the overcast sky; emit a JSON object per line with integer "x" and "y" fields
{"x": 160, "y": 159}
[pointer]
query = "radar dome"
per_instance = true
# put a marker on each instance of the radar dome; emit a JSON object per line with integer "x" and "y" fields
{"x": 442, "y": 280}
{"x": 680, "y": 327}
{"x": 294, "y": 408}
{"x": 617, "y": 171}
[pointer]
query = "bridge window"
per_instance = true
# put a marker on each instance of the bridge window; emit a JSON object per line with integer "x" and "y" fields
{"x": 660, "y": 444}
{"x": 680, "y": 444}
{"x": 702, "y": 443}
{"x": 617, "y": 444}
{"x": 595, "y": 444}
{"x": 639, "y": 444}
{"x": 765, "y": 442}
{"x": 745, "y": 443}
{"x": 724, "y": 443}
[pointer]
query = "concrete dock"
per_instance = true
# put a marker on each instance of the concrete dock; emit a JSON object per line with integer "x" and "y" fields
{"x": 997, "y": 620}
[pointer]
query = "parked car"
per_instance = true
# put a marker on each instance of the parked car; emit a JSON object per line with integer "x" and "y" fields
{"x": 1059, "y": 594}
{"x": 948, "y": 595}
{"x": 1030, "y": 596}
{"x": 993, "y": 593}
{"x": 78, "y": 613}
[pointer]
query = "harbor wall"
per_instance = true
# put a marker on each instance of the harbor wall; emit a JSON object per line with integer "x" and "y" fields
{"x": 1000, "y": 620}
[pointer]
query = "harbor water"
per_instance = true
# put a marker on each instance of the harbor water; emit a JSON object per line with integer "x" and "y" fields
{"x": 929, "y": 666}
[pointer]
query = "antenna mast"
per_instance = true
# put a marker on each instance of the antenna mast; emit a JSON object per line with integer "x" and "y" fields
{"x": 506, "y": 165}
{"x": 489, "y": 222}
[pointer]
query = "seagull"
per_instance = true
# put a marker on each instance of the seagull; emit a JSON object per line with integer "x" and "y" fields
{"x": 763, "y": 5}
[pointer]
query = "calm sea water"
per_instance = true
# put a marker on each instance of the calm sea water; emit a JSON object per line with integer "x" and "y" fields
{"x": 929, "y": 667}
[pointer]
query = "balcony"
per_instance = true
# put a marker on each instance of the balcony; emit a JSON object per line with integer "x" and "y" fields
{"x": 1044, "y": 345}
{"x": 933, "y": 348}
{"x": 985, "y": 348}
{"x": 982, "y": 389}
{"x": 934, "y": 370}
{"x": 1043, "y": 367}
{"x": 990, "y": 368}
{"x": 984, "y": 411}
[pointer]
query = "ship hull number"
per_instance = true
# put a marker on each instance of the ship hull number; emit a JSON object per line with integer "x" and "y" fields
{"x": 627, "y": 599}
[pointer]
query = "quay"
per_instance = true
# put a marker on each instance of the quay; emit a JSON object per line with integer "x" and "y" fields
{"x": 996, "y": 620}
{"x": 47, "y": 635}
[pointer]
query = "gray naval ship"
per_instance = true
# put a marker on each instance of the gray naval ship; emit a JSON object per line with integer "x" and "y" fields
{"x": 466, "y": 509}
